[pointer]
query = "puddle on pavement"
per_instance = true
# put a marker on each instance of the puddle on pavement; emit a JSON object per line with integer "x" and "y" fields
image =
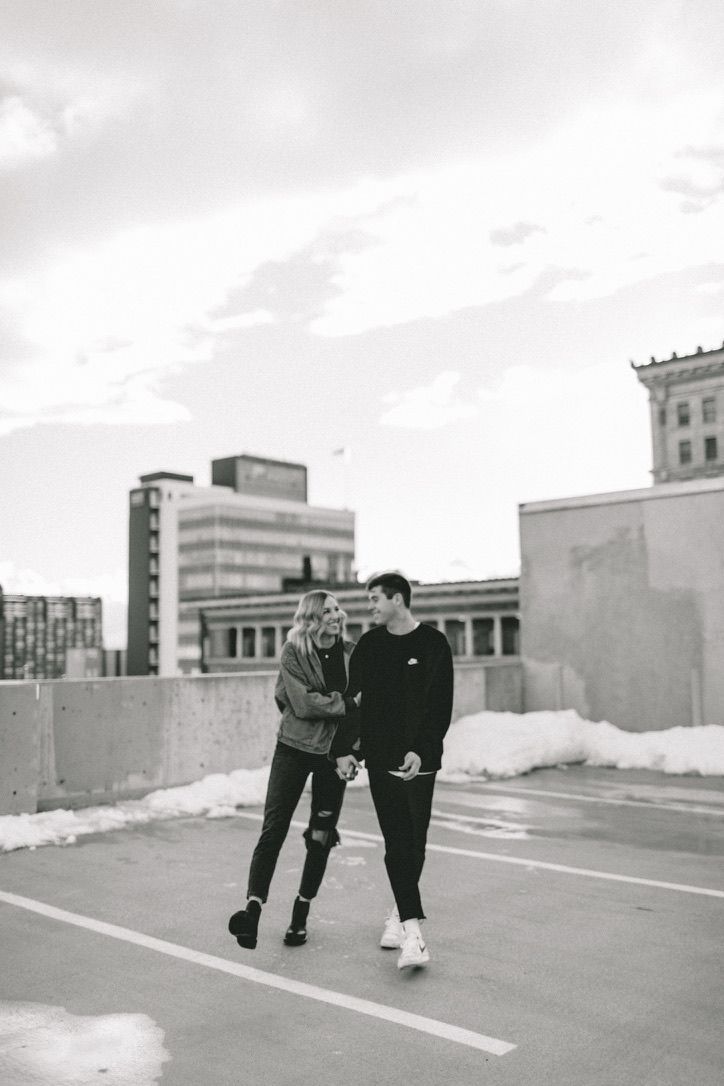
{"x": 479, "y": 827}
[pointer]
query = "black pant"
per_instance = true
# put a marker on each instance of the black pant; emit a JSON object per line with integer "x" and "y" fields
{"x": 403, "y": 812}
{"x": 288, "y": 775}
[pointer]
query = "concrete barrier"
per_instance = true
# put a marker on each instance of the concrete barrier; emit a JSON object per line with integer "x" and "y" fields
{"x": 69, "y": 743}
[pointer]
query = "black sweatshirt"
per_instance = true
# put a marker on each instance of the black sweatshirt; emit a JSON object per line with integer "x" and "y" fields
{"x": 406, "y": 682}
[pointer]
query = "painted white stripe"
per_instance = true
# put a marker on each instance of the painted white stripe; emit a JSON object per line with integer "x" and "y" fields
{"x": 520, "y": 861}
{"x": 466, "y": 798}
{"x": 270, "y": 980}
{"x": 564, "y": 869}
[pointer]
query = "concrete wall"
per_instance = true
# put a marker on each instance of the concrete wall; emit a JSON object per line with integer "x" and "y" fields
{"x": 72, "y": 743}
{"x": 622, "y": 605}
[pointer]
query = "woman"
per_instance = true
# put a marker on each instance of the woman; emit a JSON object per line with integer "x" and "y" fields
{"x": 310, "y": 695}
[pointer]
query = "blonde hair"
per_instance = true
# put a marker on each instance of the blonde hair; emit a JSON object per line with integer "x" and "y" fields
{"x": 308, "y": 621}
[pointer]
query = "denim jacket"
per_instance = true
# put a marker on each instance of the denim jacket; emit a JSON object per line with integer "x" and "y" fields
{"x": 309, "y": 714}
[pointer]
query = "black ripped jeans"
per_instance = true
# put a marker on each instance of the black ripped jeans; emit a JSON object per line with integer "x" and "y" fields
{"x": 288, "y": 775}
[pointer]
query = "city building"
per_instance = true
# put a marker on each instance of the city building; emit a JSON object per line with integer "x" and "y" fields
{"x": 686, "y": 397}
{"x": 479, "y": 618}
{"x": 622, "y": 594}
{"x": 50, "y": 637}
{"x": 622, "y": 605}
{"x": 246, "y": 533}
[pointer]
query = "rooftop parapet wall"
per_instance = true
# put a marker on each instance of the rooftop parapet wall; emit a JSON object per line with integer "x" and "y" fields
{"x": 77, "y": 743}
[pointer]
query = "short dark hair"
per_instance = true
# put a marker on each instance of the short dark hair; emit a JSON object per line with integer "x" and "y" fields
{"x": 390, "y": 583}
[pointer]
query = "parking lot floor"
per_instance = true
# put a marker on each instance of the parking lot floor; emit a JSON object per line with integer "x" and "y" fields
{"x": 575, "y": 922}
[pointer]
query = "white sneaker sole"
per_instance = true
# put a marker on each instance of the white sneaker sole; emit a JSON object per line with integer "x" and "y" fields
{"x": 392, "y": 935}
{"x": 389, "y": 942}
{"x": 418, "y": 960}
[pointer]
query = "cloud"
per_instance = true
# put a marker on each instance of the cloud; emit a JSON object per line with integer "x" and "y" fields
{"x": 28, "y": 582}
{"x": 93, "y": 336}
{"x": 514, "y": 235}
{"x": 96, "y": 329}
{"x": 562, "y": 432}
{"x": 594, "y": 190}
{"x": 23, "y": 134}
{"x": 711, "y": 286}
{"x": 427, "y": 407}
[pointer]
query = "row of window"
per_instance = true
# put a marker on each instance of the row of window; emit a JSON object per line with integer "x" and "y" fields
{"x": 226, "y": 642}
{"x": 711, "y": 451}
{"x": 683, "y": 412}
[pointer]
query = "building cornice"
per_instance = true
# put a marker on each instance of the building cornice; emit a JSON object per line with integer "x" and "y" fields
{"x": 675, "y": 376}
{"x": 686, "y": 366}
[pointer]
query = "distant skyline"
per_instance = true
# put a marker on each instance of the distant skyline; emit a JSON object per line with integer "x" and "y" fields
{"x": 432, "y": 234}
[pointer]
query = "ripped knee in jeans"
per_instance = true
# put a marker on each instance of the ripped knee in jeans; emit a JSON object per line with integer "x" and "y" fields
{"x": 318, "y": 835}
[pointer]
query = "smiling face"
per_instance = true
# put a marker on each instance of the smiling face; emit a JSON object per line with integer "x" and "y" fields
{"x": 331, "y": 621}
{"x": 382, "y": 609}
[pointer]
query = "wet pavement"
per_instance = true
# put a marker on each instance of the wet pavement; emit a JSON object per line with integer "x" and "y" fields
{"x": 575, "y": 921}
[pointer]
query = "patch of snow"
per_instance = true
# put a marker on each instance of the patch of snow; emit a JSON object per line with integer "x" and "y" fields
{"x": 47, "y": 1046}
{"x": 508, "y": 744}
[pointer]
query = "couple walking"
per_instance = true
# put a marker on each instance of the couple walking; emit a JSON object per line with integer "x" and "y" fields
{"x": 386, "y": 701}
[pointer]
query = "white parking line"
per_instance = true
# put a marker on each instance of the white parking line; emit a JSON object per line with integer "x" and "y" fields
{"x": 270, "y": 980}
{"x": 477, "y": 799}
{"x": 521, "y": 861}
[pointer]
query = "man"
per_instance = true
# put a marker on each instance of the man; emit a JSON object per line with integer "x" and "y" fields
{"x": 403, "y": 669}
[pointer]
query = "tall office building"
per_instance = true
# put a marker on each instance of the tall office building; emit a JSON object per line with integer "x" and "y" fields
{"x": 246, "y": 533}
{"x": 50, "y": 637}
{"x": 686, "y": 397}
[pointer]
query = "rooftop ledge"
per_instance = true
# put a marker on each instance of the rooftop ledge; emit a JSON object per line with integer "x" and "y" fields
{"x": 658, "y": 490}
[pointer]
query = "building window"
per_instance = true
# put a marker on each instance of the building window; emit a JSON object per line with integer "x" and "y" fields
{"x": 710, "y": 449}
{"x": 483, "y": 642}
{"x": 285, "y": 631}
{"x": 662, "y": 416}
{"x": 682, "y": 413}
{"x": 224, "y": 641}
{"x": 248, "y": 641}
{"x": 708, "y": 409}
{"x": 684, "y": 452}
{"x": 510, "y": 626}
{"x": 268, "y": 641}
{"x": 455, "y": 633}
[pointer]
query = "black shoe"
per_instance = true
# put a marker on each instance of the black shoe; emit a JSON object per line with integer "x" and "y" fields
{"x": 296, "y": 934}
{"x": 244, "y": 924}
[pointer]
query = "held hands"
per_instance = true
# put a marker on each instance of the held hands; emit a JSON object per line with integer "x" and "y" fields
{"x": 347, "y": 767}
{"x": 411, "y": 765}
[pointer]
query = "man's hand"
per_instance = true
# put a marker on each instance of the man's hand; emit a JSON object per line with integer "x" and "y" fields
{"x": 347, "y": 767}
{"x": 411, "y": 765}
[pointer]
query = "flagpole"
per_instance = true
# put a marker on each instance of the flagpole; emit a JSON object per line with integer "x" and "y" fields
{"x": 346, "y": 453}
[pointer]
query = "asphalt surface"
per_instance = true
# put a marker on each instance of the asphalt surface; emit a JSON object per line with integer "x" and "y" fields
{"x": 575, "y": 922}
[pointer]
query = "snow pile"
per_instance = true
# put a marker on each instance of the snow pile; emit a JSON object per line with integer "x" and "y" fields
{"x": 484, "y": 744}
{"x": 41, "y": 1044}
{"x": 216, "y": 796}
{"x": 507, "y": 744}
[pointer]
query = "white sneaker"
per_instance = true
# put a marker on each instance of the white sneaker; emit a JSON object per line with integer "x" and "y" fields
{"x": 393, "y": 934}
{"x": 414, "y": 951}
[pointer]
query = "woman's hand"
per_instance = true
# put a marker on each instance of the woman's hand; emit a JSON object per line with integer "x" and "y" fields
{"x": 347, "y": 767}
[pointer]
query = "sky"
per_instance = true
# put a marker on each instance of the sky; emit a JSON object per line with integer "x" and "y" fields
{"x": 434, "y": 234}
